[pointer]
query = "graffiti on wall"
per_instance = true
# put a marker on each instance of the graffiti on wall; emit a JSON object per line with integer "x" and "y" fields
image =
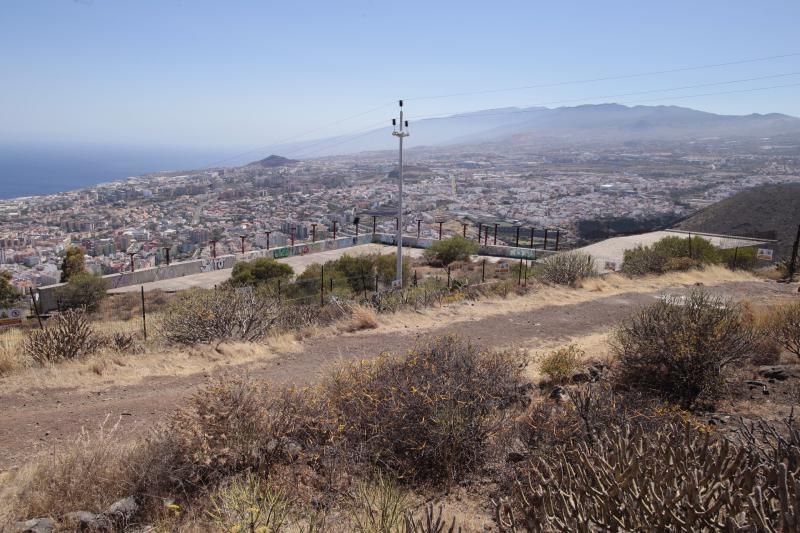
{"x": 209, "y": 265}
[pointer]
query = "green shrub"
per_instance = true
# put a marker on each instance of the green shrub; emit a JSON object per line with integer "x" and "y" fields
{"x": 456, "y": 248}
{"x": 739, "y": 259}
{"x": 9, "y": 295}
{"x": 679, "y": 349}
{"x": 82, "y": 291}
{"x": 565, "y": 268}
{"x": 560, "y": 364}
{"x": 261, "y": 270}
{"x": 671, "y": 253}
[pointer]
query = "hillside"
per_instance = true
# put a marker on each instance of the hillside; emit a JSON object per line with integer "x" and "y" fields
{"x": 274, "y": 161}
{"x": 584, "y": 123}
{"x": 769, "y": 211}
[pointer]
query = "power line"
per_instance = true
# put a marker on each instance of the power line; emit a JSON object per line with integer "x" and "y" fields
{"x": 296, "y": 137}
{"x": 532, "y": 109}
{"x": 606, "y": 78}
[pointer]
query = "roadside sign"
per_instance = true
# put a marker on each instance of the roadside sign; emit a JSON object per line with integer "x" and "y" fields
{"x": 764, "y": 254}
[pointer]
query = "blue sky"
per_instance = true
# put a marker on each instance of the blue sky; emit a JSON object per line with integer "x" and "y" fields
{"x": 240, "y": 74}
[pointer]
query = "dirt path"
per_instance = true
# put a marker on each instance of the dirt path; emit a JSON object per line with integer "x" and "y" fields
{"x": 41, "y": 420}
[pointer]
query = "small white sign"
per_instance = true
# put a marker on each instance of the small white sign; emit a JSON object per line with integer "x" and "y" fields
{"x": 764, "y": 254}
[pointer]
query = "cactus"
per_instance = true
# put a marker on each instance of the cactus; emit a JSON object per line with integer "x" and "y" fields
{"x": 675, "y": 479}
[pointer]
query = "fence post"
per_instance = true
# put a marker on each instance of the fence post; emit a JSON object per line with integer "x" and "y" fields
{"x": 558, "y": 235}
{"x": 526, "y": 273}
{"x": 448, "y": 276}
{"x": 279, "y": 289}
{"x": 480, "y": 230}
{"x": 486, "y": 237}
{"x": 516, "y": 242}
{"x": 691, "y": 255}
{"x": 495, "y": 233}
{"x": 321, "y": 286}
{"x": 464, "y": 227}
{"x": 735, "y": 257}
{"x": 419, "y": 227}
{"x": 793, "y": 260}
{"x": 519, "y": 278}
{"x": 331, "y": 283}
{"x": 36, "y": 308}
{"x": 376, "y": 284}
{"x": 144, "y": 317}
{"x": 415, "y": 277}
{"x": 533, "y": 230}
{"x": 440, "y": 230}
{"x": 374, "y": 223}
{"x": 364, "y": 285}
{"x": 483, "y": 271}
{"x": 545, "y": 239}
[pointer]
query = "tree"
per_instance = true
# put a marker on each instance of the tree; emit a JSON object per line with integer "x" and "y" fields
{"x": 83, "y": 291}
{"x": 8, "y": 293}
{"x": 261, "y": 270}
{"x": 455, "y": 248}
{"x": 358, "y": 270}
{"x": 73, "y": 263}
{"x": 386, "y": 268}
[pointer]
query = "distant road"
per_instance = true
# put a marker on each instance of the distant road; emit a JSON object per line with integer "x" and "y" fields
{"x": 299, "y": 263}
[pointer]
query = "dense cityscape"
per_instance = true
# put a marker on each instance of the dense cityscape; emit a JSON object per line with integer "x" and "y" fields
{"x": 276, "y": 200}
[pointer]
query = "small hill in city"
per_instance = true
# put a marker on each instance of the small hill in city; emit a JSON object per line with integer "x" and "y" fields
{"x": 768, "y": 211}
{"x": 274, "y": 161}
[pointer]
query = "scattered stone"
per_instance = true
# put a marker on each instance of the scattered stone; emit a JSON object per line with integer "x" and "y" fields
{"x": 35, "y": 525}
{"x": 581, "y": 376}
{"x": 778, "y": 372}
{"x": 86, "y": 521}
{"x": 517, "y": 451}
{"x": 122, "y": 510}
{"x": 558, "y": 394}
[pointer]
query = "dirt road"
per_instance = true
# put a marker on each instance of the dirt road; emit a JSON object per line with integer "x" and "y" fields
{"x": 40, "y": 420}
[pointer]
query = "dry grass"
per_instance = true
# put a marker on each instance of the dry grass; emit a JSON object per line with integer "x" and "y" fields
{"x": 89, "y": 474}
{"x": 363, "y": 317}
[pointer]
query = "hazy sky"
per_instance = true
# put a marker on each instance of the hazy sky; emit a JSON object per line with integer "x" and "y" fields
{"x": 246, "y": 73}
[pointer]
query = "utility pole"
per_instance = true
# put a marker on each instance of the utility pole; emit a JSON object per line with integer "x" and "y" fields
{"x": 440, "y": 230}
{"x": 401, "y": 134}
{"x": 267, "y": 232}
{"x": 166, "y": 250}
{"x": 132, "y": 254}
{"x": 313, "y": 233}
{"x": 464, "y": 226}
{"x": 334, "y": 230}
{"x": 243, "y": 237}
{"x": 419, "y": 223}
{"x": 495, "y": 233}
{"x": 374, "y": 224}
{"x": 214, "y": 249}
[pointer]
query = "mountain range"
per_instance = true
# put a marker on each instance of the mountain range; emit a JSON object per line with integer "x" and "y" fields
{"x": 585, "y": 123}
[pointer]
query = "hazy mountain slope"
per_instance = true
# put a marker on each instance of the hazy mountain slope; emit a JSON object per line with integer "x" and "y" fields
{"x": 769, "y": 211}
{"x": 608, "y": 122}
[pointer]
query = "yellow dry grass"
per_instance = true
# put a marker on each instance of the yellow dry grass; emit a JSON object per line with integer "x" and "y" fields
{"x": 157, "y": 360}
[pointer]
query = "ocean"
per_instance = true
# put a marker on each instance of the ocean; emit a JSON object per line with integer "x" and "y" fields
{"x": 29, "y": 170}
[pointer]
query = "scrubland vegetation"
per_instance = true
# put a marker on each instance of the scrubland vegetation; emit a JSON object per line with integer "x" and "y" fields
{"x": 618, "y": 444}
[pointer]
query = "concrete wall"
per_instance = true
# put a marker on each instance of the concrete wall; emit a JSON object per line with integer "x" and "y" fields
{"x": 511, "y": 252}
{"x": 47, "y": 299}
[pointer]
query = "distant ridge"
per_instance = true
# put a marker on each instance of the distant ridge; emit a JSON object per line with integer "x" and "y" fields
{"x": 767, "y": 211}
{"x": 274, "y": 161}
{"x": 592, "y": 123}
